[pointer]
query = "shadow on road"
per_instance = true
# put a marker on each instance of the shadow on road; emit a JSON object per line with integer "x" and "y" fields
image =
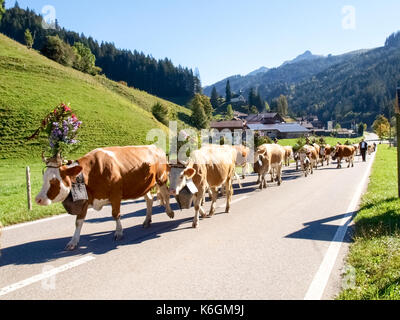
{"x": 320, "y": 230}
{"x": 98, "y": 243}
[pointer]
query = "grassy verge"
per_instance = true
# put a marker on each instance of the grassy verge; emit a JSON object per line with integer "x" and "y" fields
{"x": 375, "y": 254}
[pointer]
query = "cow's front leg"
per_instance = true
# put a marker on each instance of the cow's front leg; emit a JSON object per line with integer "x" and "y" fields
{"x": 263, "y": 183}
{"x": 165, "y": 195}
{"x": 198, "y": 208}
{"x": 116, "y": 213}
{"x": 73, "y": 244}
{"x": 149, "y": 210}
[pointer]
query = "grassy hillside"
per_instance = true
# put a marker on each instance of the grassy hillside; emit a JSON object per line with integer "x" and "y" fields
{"x": 30, "y": 87}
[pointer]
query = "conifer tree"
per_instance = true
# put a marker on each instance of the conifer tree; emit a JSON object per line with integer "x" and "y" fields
{"x": 214, "y": 98}
{"x": 228, "y": 92}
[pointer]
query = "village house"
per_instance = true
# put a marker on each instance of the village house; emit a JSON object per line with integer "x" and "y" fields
{"x": 272, "y": 125}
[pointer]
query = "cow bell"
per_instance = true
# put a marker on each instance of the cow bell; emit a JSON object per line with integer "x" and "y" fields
{"x": 75, "y": 208}
{"x": 186, "y": 195}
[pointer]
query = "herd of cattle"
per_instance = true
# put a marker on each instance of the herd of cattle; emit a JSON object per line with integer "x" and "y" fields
{"x": 111, "y": 175}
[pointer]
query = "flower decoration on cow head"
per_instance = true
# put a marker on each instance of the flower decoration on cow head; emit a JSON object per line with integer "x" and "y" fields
{"x": 61, "y": 127}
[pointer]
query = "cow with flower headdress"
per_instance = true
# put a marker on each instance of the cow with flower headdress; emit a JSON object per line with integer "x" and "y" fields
{"x": 103, "y": 176}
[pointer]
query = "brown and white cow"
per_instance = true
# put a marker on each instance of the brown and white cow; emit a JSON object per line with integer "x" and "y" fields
{"x": 210, "y": 167}
{"x": 242, "y": 159}
{"x": 288, "y": 155}
{"x": 325, "y": 154}
{"x": 269, "y": 159}
{"x": 308, "y": 157}
{"x": 111, "y": 175}
{"x": 344, "y": 152}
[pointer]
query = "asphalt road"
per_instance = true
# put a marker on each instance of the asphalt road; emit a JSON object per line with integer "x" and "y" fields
{"x": 271, "y": 246}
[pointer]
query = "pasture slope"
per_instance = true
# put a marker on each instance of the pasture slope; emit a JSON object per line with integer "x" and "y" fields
{"x": 374, "y": 258}
{"x": 30, "y": 86}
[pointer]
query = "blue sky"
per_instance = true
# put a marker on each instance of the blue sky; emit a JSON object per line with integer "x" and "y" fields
{"x": 222, "y": 37}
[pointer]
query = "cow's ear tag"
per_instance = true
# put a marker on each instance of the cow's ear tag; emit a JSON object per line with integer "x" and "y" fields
{"x": 191, "y": 186}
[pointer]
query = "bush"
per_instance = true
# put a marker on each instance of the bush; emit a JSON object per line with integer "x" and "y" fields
{"x": 259, "y": 140}
{"x": 85, "y": 59}
{"x": 161, "y": 112}
{"x": 59, "y": 51}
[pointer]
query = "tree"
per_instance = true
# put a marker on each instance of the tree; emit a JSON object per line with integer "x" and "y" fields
{"x": 208, "y": 109}
{"x": 199, "y": 117}
{"x": 228, "y": 92}
{"x": 2, "y": 8}
{"x": 254, "y": 110}
{"x": 381, "y": 127}
{"x": 361, "y": 129}
{"x": 86, "y": 60}
{"x": 229, "y": 113}
{"x": 28, "y": 39}
{"x": 252, "y": 98}
{"x": 274, "y": 105}
{"x": 214, "y": 98}
{"x": 160, "y": 112}
{"x": 59, "y": 51}
{"x": 282, "y": 105}
{"x": 267, "y": 107}
{"x": 259, "y": 103}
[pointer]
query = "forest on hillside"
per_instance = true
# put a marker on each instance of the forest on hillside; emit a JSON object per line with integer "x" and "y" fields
{"x": 350, "y": 88}
{"x": 138, "y": 70}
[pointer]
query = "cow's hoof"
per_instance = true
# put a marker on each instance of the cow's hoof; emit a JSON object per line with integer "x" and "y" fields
{"x": 118, "y": 236}
{"x": 71, "y": 246}
{"x": 195, "y": 225}
{"x": 146, "y": 224}
{"x": 171, "y": 214}
{"x": 228, "y": 210}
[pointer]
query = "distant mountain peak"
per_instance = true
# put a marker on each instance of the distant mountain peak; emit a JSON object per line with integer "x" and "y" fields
{"x": 308, "y": 55}
{"x": 258, "y": 71}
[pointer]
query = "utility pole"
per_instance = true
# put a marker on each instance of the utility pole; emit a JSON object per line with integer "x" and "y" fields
{"x": 397, "y": 110}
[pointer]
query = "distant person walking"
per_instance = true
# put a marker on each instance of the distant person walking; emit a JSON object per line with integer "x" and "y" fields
{"x": 363, "y": 150}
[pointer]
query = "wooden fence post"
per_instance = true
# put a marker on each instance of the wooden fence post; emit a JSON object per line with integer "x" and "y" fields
{"x": 28, "y": 188}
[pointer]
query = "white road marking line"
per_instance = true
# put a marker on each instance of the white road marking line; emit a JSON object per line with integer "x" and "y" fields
{"x": 44, "y": 275}
{"x": 320, "y": 281}
{"x": 25, "y": 224}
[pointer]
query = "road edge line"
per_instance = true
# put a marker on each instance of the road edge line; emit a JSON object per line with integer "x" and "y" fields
{"x": 44, "y": 275}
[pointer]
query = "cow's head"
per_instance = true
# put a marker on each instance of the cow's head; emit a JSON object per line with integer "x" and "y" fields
{"x": 57, "y": 183}
{"x": 322, "y": 151}
{"x": 334, "y": 152}
{"x": 178, "y": 177}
